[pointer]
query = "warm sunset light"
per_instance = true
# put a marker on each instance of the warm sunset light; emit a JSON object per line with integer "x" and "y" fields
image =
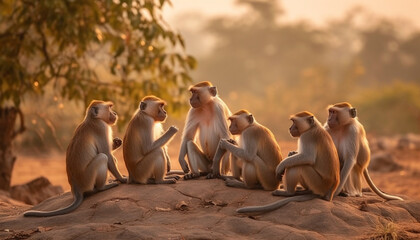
{"x": 198, "y": 119}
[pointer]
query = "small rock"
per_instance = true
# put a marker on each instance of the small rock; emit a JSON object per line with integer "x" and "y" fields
{"x": 215, "y": 203}
{"x": 159, "y": 209}
{"x": 181, "y": 206}
{"x": 43, "y": 229}
{"x": 384, "y": 162}
{"x": 35, "y": 191}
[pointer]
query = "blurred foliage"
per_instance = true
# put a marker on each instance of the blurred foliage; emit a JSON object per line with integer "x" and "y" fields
{"x": 276, "y": 68}
{"x": 119, "y": 50}
{"x": 259, "y": 62}
{"x": 391, "y": 109}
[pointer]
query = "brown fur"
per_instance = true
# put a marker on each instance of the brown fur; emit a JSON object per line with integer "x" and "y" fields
{"x": 144, "y": 150}
{"x": 89, "y": 156}
{"x": 258, "y": 152}
{"x": 350, "y": 140}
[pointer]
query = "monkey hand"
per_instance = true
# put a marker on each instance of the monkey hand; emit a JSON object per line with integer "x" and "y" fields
{"x": 116, "y": 143}
{"x": 223, "y": 143}
{"x": 291, "y": 153}
{"x": 232, "y": 141}
{"x": 173, "y": 129}
{"x": 213, "y": 175}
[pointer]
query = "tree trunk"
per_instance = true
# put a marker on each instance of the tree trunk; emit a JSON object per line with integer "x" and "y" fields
{"x": 8, "y": 117}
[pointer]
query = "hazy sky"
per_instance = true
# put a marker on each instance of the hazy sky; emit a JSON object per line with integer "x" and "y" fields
{"x": 316, "y": 11}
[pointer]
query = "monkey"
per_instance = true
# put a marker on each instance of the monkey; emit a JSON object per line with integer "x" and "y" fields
{"x": 144, "y": 149}
{"x": 258, "y": 152}
{"x": 350, "y": 140}
{"x": 208, "y": 116}
{"x": 89, "y": 157}
{"x": 315, "y": 165}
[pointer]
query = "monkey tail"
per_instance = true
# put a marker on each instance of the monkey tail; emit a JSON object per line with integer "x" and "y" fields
{"x": 376, "y": 190}
{"x": 273, "y": 206}
{"x": 78, "y": 199}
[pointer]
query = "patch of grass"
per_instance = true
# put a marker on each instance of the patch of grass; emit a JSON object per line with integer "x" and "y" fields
{"x": 386, "y": 230}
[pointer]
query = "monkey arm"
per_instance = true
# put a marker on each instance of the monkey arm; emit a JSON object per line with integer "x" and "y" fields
{"x": 162, "y": 140}
{"x": 249, "y": 154}
{"x": 216, "y": 159}
{"x": 112, "y": 166}
{"x": 188, "y": 135}
{"x": 349, "y": 157}
{"x": 306, "y": 156}
{"x": 168, "y": 160}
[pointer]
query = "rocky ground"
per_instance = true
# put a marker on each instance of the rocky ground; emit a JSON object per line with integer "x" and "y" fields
{"x": 205, "y": 209}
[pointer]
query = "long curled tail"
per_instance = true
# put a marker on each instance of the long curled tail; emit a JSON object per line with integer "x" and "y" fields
{"x": 376, "y": 190}
{"x": 276, "y": 205}
{"x": 78, "y": 199}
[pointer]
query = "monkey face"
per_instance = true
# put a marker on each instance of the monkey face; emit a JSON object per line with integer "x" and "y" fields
{"x": 234, "y": 128}
{"x": 294, "y": 131}
{"x": 201, "y": 95}
{"x": 238, "y": 123}
{"x": 161, "y": 113}
{"x": 195, "y": 100}
{"x": 154, "y": 108}
{"x": 103, "y": 110}
{"x": 301, "y": 125}
{"x": 333, "y": 120}
{"x": 113, "y": 117}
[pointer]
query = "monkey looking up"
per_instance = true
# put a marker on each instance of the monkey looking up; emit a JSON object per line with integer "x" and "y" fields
{"x": 207, "y": 117}
{"x": 144, "y": 149}
{"x": 315, "y": 165}
{"x": 349, "y": 137}
{"x": 89, "y": 156}
{"x": 258, "y": 152}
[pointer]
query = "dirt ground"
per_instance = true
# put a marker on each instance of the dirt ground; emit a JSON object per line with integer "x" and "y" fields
{"x": 404, "y": 182}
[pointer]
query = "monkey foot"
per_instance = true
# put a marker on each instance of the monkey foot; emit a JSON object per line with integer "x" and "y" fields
{"x": 212, "y": 175}
{"x": 343, "y": 194}
{"x": 190, "y": 176}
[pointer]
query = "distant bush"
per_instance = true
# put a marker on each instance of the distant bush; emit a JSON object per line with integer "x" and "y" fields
{"x": 392, "y": 109}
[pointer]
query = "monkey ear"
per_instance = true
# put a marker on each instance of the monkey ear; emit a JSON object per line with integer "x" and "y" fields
{"x": 213, "y": 91}
{"x": 353, "y": 112}
{"x": 94, "y": 111}
{"x": 143, "y": 105}
{"x": 250, "y": 118}
{"x": 311, "y": 121}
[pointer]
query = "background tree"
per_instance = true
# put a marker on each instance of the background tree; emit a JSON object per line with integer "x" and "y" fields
{"x": 115, "y": 50}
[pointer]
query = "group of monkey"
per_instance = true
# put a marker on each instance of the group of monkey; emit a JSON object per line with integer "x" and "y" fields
{"x": 330, "y": 159}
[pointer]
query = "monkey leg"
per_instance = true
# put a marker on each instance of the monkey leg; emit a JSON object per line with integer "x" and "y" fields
{"x": 290, "y": 181}
{"x": 197, "y": 161}
{"x": 97, "y": 171}
{"x": 250, "y": 179}
{"x": 159, "y": 169}
{"x": 315, "y": 182}
{"x": 353, "y": 186}
{"x": 225, "y": 164}
{"x": 236, "y": 166}
{"x": 266, "y": 177}
{"x": 249, "y": 175}
{"x": 150, "y": 166}
{"x": 348, "y": 166}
